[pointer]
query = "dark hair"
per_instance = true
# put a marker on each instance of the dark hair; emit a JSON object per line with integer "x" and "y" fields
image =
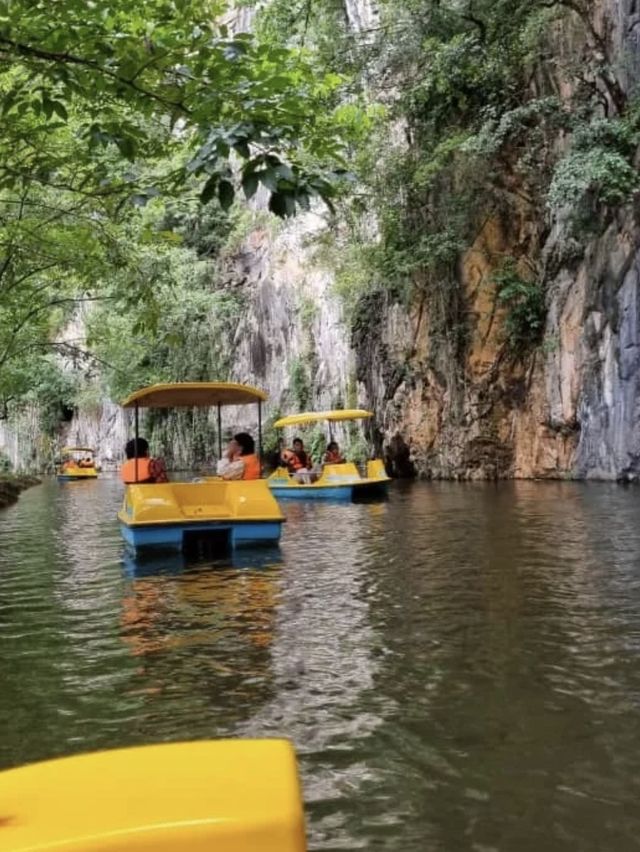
{"x": 137, "y": 449}
{"x": 299, "y": 440}
{"x": 247, "y": 444}
{"x": 332, "y": 446}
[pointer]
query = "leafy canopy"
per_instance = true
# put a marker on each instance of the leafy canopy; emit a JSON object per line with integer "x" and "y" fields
{"x": 156, "y": 78}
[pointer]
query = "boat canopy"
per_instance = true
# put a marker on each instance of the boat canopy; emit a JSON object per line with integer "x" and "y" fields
{"x": 77, "y": 450}
{"x": 203, "y": 394}
{"x": 314, "y": 416}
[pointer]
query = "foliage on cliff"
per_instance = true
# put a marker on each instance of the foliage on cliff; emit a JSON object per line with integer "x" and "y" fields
{"x": 486, "y": 118}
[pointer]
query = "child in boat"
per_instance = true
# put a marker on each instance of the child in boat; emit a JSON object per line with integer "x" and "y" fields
{"x": 333, "y": 454}
{"x": 299, "y": 462}
{"x": 240, "y": 460}
{"x": 149, "y": 469}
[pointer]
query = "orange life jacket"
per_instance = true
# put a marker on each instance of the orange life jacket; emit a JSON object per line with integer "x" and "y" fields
{"x": 251, "y": 467}
{"x": 128, "y": 471}
{"x": 293, "y": 460}
{"x": 333, "y": 457}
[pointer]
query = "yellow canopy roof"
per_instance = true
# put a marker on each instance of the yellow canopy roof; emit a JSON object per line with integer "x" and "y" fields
{"x": 77, "y": 450}
{"x": 313, "y": 416}
{"x": 194, "y": 394}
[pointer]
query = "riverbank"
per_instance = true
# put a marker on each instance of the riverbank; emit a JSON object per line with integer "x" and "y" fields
{"x": 11, "y": 486}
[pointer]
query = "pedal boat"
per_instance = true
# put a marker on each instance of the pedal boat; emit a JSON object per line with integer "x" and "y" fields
{"x": 231, "y": 795}
{"x": 71, "y": 470}
{"x": 167, "y": 516}
{"x": 337, "y": 481}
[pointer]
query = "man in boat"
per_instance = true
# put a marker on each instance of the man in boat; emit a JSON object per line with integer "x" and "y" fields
{"x": 240, "y": 460}
{"x": 148, "y": 469}
{"x": 333, "y": 454}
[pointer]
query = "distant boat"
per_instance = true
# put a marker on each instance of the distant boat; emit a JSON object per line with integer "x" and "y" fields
{"x": 336, "y": 481}
{"x": 77, "y": 463}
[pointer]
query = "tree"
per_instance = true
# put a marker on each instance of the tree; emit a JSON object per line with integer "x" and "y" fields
{"x": 104, "y": 107}
{"x": 160, "y": 78}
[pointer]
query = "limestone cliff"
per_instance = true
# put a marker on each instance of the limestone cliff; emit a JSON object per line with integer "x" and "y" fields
{"x": 570, "y": 408}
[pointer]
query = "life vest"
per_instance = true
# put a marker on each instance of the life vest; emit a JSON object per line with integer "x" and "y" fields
{"x": 128, "y": 471}
{"x": 251, "y": 467}
{"x": 333, "y": 457}
{"x": 293, "y": 460}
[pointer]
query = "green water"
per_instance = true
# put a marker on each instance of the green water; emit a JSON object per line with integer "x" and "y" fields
{"x": 459, "y": 667}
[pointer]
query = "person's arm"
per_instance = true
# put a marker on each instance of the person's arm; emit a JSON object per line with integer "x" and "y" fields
{"x": 234, "y": 470}
{"x": 158, "y": 470}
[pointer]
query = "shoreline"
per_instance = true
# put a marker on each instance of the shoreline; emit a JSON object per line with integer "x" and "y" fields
{"x": 12, "y": 485}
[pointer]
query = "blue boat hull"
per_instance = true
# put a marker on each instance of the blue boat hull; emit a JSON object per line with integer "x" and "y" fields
{"x": 171, "y": 537}
{"x": 64, "y": 478}
{"x": 293, "y": 492}
{"x": 343, "y": 493}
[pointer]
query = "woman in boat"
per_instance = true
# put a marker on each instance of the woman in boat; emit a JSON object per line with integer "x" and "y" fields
{"x": 240, "y": 460}
{"x": 333, "y": 454}
{"x": 148, "y": 469}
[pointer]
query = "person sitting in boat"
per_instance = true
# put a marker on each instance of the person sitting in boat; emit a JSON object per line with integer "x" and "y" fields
{"x": 240, "y": 460}
{"x": 297, "y": 459}
{"x": 148, "y": 469}
{"x": 85, "y": 462}
{"x": 333, "y": 454}
{"x": 69, "y": 464}
{"x": 299, "y": 462}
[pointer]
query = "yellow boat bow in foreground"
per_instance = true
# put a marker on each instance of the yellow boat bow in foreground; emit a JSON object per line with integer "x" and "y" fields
{"x": 227, "y": 796}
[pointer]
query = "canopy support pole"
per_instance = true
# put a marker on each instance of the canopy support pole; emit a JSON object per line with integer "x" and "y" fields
{"x": 260, "y": 434}
{"x": 219, "y": 432}
{"x": 137, "y": 432}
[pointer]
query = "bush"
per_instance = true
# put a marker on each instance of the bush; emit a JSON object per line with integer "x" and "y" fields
{"x": 525, "y": 306}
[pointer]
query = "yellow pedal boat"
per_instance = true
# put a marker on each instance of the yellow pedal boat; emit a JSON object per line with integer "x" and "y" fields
{"x": 166, "y": 516}
{"x": 227, "y": 795}
{"x": 78, "y": 463}
{"x": 336, "y": 481}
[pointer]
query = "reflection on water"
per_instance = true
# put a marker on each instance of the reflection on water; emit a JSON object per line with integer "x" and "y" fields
{"x": 459, "y": 666}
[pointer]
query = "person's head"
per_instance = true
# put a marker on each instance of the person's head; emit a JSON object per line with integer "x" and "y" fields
{"x": 332, "y": 447}
{"x": 137, "y": 449}
{"x": 246, "y": 443}
{"x": 298, "y": 446}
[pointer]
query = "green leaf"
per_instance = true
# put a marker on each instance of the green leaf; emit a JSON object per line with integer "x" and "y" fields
{"x": 209, "y": 189}
{"x": 250, "y": 185}
{"x": 226, "y": 194}
{"x": 269, "y": 178}
{"x": 283, "y": 204}
{"x": 60, "y": 109}
{"x": 242, "y": 148}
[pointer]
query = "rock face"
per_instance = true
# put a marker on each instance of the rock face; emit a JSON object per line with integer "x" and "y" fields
{"x": 568, "y": 410}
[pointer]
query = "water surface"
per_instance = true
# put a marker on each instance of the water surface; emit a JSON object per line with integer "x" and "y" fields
{"x": 459, "y": 667}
